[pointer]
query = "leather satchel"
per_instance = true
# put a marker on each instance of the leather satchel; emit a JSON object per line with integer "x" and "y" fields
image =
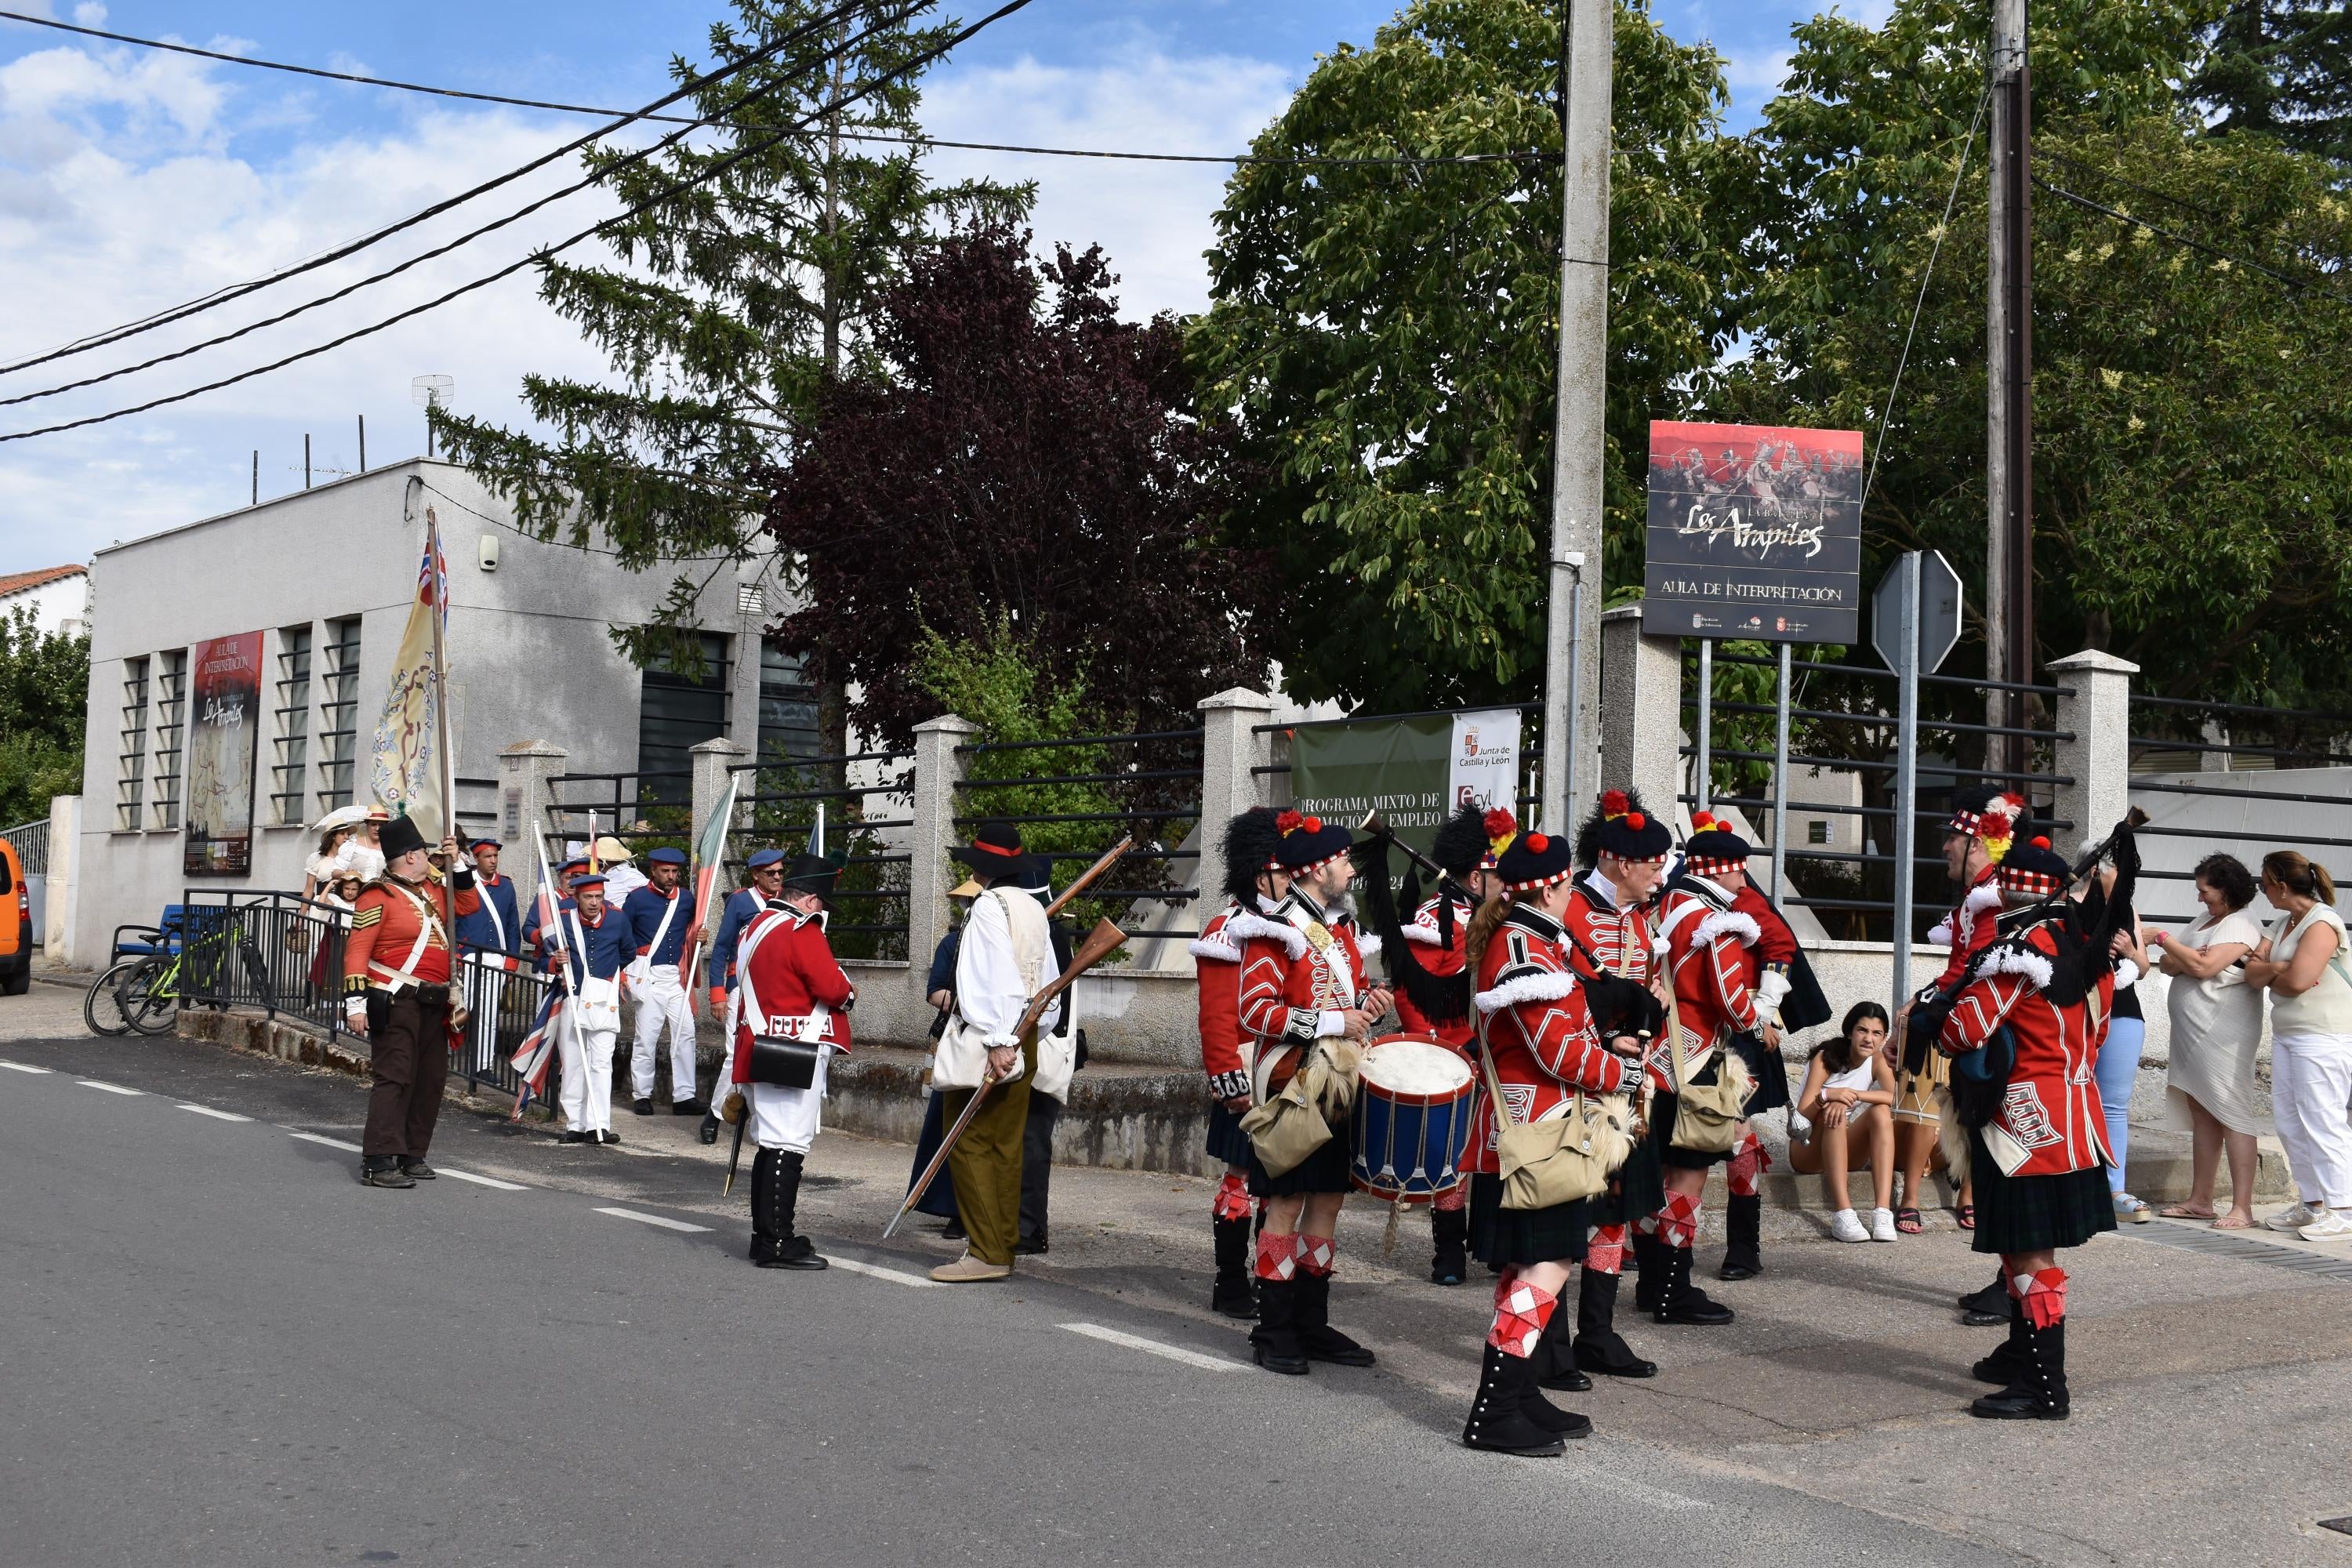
{"x": 1287, "y": 1128}
{"x": 1707, "y": 1115}
{"x": 785, "y": 1062}
{"x": 1545, "y": 1163}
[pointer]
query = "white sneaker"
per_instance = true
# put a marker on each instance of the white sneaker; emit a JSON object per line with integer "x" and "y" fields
{"x": 2291, "y": 1219}
{"x": 1844, "y": 1226}
{"x": 1882, "y": 1224}
{"x": 2331, "y": 1226}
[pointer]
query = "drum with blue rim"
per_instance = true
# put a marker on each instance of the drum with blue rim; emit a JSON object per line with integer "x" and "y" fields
{"x": 1413, "y": 1117}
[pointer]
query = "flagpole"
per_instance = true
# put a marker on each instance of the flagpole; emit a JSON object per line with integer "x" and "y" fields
{"x": 440, "y": 571}
{"x": 706, "y": 883}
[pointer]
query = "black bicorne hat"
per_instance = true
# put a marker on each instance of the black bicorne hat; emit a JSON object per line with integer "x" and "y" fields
{"x": 1249, "y": 846}
{"x": 995, "y": 851}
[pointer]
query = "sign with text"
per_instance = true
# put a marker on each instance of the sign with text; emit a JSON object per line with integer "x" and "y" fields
{"x": 1414, "y": 772}
{"x": 224, "y": 730}
{"x": 1754, "y": 532}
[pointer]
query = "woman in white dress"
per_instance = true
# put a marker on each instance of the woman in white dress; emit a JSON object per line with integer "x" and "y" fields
{"x": 2217, "y": 1026}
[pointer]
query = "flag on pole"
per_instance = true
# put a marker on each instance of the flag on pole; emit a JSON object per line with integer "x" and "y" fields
{"x": 532, "y": 1058}
{"x": 710, "y": 854}
{"x": 405, "y": 772}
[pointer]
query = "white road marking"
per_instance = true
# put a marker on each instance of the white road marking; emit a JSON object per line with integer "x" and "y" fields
{"x": 483, "y": 1180}
{"x": 892, "y": 1275}
{"x": 1656, "y": 1497}
{"x": 662, "y": 1221}
{"x": 1153, "y": 1347}
{"x": 109, "y": 1087}
{"x": 23, "y": 1066}
{"x": 330, "y": 1142}
{"x": 221, "y": 1115}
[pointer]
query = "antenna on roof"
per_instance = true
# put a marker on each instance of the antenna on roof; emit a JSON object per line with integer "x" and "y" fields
{"x": 430, "y": 392}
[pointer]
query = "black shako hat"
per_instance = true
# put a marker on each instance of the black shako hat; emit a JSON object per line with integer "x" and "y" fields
{"x": 1621, "y": 830}
{"x": 398, "y": 836}
{"x": 811, "y": 874}
{"x": 1308, "y": 841}
{"x": 1249, "y": 844}
{"x": 1534, "y": 860}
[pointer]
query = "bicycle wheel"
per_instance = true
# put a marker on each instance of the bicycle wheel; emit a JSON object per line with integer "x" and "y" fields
{"x": 101, "y": 1004}
{"x": 150, "y": 995}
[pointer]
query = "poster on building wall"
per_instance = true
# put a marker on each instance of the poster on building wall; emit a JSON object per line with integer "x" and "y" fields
{"x": 1754, "y": 532}
{"x": 1414, "y": 772}
{"x": 224, "y": 730}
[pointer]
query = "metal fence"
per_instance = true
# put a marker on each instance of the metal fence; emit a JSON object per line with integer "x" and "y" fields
{"x": 31, "y": 840}
{"x": 281, "y": 954}
{"x": 776, "y": 802}
{"x": 1837, "y": 809}
{"x": 1072, "y": 798}
{"x": 633, "y": 808}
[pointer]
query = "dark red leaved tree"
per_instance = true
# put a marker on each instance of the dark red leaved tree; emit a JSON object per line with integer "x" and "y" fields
{"x": 1033, "y": 457}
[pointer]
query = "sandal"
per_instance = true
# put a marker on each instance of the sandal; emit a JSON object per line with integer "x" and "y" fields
{"x": 2182, "y": 1211}
{"x": 2229, "y": 1222}
{"x": 1968, "y": 1212}
{"x": 1908, "y": 1222}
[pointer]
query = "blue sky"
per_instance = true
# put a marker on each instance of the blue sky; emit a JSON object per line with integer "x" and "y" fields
{"x": 131, "y": 181}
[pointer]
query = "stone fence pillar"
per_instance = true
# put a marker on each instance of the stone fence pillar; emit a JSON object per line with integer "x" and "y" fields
{"x": 524, "y": 769}
{"x": 938, "y": 770}
{"x": 1230, "y": 748}
{"x": 710, "y": 760}
{"x": 2098, "y": 759}
{"x": 1641, "y": 711}
{"x": 64, "y": 880}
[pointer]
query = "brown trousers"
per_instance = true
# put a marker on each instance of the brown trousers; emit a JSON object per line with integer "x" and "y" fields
{"x": 408, "y": 1051}
{"x": 986, "y": 1160}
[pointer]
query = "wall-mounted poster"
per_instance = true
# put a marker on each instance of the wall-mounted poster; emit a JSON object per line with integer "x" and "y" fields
{"x": 224, "y": 730}
{"x": 1415, "y": 773}
{"x": 1754, "y": 532}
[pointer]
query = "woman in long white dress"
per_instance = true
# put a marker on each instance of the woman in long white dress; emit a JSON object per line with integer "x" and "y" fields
{"x": 2217, "y": 1025}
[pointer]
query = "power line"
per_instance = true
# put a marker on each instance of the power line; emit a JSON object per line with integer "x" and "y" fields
{"x": 1224, "y": 158}
{"x": 715, "y": 169}
{"x": 2299, "y": 284}
{"x": 222, "y": 297}
{"x": 637, "y": 156}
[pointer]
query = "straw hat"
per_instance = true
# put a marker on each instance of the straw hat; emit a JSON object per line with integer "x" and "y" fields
{"x": 611, "y": 851}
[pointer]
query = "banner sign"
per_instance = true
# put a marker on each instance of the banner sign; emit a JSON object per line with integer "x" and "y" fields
{"x": 1413, "y": 772}
{"x": 223, "y": 738}
{"x": 1754, "y": 532}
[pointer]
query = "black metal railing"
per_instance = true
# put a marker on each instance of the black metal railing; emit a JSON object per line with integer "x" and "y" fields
{"x": 868, "y": 800}
{"x": 629, "y": 806}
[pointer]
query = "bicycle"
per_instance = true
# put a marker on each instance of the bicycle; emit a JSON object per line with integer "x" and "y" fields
{"x": 144, "y": 995}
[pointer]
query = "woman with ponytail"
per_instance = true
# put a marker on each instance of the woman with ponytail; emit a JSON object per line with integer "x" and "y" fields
{"x": 2304, "y": 963}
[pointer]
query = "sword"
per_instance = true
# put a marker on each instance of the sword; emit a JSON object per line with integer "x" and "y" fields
{"x": 735, "y": 1155}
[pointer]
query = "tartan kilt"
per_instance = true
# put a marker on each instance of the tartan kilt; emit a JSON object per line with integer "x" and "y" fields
{"x": 1511, "y": 1238}
{"x": 1324, "y": 1171}
{"x": 2035, "y": 1214}
{"x": 1636, "y": 1191}
{"x": 1771, "y": 1071}
{"x": 1227, "y": 1144}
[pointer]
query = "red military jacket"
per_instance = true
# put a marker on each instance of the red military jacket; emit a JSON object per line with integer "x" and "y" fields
{"x": 1442, "y": 958}
{"x": 1620, "y": 938}
{"x": 2050, "y": 1120}
{"x": 1970, "y": 928}
{"x": 1298, "y": 973}
{"x": 1226, "y": 1048}
{"x": 1538, "y": 1029}
{"x": 785, "y": 973}
{"x": 1711, "y": 950}
{"x": 384, "y": 926}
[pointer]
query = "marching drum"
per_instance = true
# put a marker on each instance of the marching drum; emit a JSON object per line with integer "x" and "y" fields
{"x": 1412, "y": 1119}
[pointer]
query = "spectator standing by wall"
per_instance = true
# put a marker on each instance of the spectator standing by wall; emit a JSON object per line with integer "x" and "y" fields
{"x": 2303, "y": 964}
{"x": 2217, "y": 1027}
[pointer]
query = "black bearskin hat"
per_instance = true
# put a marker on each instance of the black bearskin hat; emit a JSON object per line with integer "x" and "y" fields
{"x": 1460, "y": 841}
{"x": 1249, "y": 844}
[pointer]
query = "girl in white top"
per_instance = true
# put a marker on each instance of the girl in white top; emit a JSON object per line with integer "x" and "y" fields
{"x": 1847, "y": 1108}
{"x": 2302, "y": 963}
{"x": 2217, "y": 1028}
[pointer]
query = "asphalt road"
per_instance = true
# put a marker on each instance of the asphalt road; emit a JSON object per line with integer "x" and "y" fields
{"x": 219, "y": 1348}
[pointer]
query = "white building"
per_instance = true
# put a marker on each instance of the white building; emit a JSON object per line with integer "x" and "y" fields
{"x": 324, "y": 578}
{"x": 58, "y": 598}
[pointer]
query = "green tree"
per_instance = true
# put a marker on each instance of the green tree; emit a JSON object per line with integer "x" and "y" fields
{"x": 1388, "y": 336}
{"x": 732, "y": 303}
{"x": 2283, "y": 67}
{"x": 44, "y": 699}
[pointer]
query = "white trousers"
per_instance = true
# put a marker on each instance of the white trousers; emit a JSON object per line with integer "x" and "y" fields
{"x": 662, "y": 999}
{"x": 586, "y": 1095}
{"x": 787, "y": 1118}
{"x": 486, "y": 986}
{"x": 2310, "y": 1100}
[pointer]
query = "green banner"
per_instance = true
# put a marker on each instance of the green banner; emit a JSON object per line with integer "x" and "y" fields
{"x": 1413, "y": 772}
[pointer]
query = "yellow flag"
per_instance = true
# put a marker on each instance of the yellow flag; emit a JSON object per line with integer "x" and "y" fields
{"x": 407, "y": 771}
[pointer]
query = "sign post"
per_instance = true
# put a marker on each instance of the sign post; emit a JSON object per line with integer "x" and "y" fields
{"x": 1915, "y": 621}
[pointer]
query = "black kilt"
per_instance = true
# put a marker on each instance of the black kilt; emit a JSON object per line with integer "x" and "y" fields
{"x": 1662, "y": 1107}
{"x": 1771, "y": 1071}
{"x": 1637, "y": 1191}
{"x": 1511, "y": 1238}
{"x": 1227, "y": 1142}
{"x": 1324, "y": 1171}
{"x": 2037, "y": 1214}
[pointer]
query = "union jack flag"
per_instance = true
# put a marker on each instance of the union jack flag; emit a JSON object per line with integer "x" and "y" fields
{"x": 532, "y": 1058}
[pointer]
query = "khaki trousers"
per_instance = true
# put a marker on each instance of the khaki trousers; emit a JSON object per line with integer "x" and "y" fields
{"x": 986, "y": 1160}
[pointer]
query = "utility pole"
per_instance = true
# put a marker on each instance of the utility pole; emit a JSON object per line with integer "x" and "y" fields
{"x": 1572, "y": 684}
{"x": 2009, "y": 386}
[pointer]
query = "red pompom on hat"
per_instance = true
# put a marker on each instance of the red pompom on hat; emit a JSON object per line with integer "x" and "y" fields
{"x": 2042, "y": 844}
{"x": 1703, "y": 822}
{"x": 1636, "y": 821}
{"x": 1537, "y": 844}
{"x": 1313, "y": 824}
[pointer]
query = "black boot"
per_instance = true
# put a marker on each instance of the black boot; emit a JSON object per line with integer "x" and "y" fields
{"x": 765, "y": 1241}
{"x": 385, "y": 1173}
{"x": 1232, "y": 1295}
{"x": 1498, "y": 1419}
{"x": 1649, "y": 1272}
{"x": 2007, "y": 1363}
{"x": 1449, "y": 1230}
{"x": 1743, "y": 1224}
{"x": 1275, "y": 1342}
{"x": 1317, "y": 1337}
{"x": 1983, "y": 1308}
{"x": 793, "y": 1250}
{"x": 1683, "y": 1303}
{"x": 709, "y": 1131}
{"x": 1555, "y": 1359}
{"x": 2039, "y": 1391}
{"x": 1599, "y": 1347}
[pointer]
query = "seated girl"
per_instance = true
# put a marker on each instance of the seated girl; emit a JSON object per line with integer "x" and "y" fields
{"x": 1843, "y": 1117}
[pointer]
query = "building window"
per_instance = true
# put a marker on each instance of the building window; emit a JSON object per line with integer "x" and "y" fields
{"x": 1817, "y": 831}
{"x": 788, "y": 714}
{"x": 171, "y": 727}
{"x": 131, "y": 780}
{"x": 339, "y": 707}
{"x": 291, "y": 741}
{"x": 677, "y": 709}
